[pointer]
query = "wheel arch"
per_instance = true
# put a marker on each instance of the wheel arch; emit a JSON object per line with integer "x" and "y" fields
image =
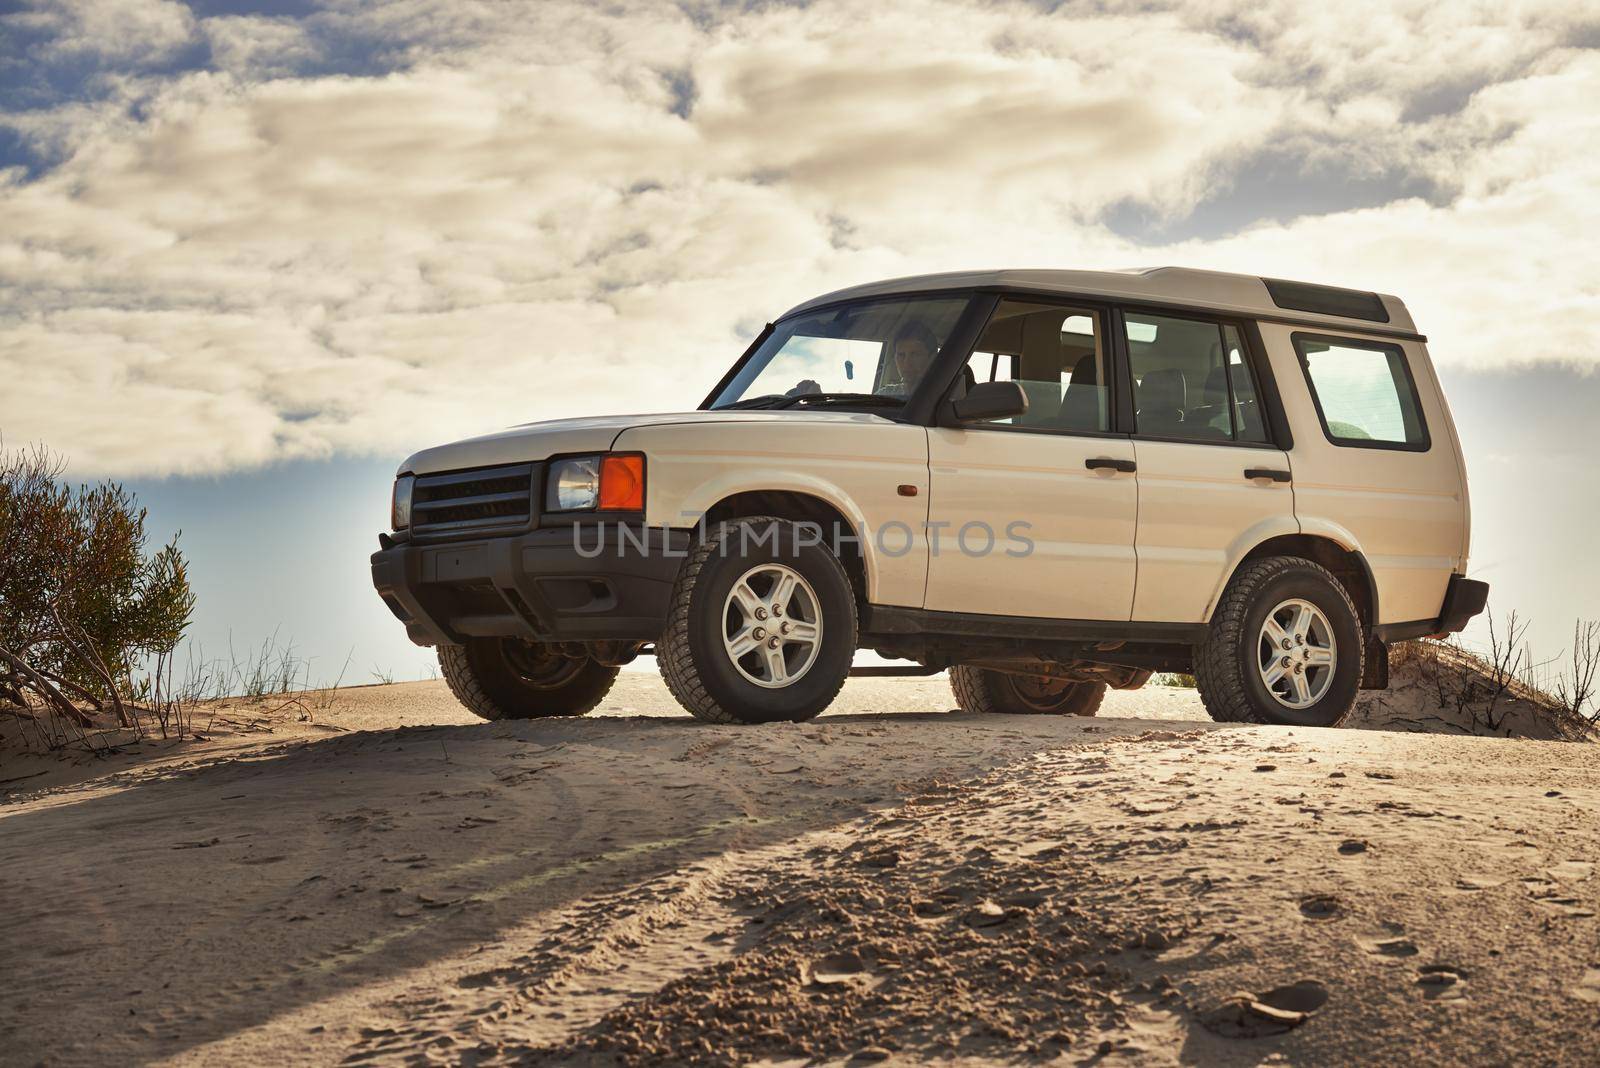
{"x": 1347, "y": 562}
{"x": 803, "y": 507}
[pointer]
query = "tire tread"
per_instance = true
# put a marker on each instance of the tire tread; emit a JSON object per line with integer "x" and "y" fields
{"x": 1216, "y": 667}
{"x": 672, "y": 651}
{"x": 456, "y": 666}
{"x": 464, "y": 683}
{"x": 974, "y": 689}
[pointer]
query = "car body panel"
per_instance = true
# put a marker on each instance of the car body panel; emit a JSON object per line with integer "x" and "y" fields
{"x": 1404, "y": 511}
{"x": 1195, "y": 508}
{"x": 855, "y": 464}
{"x": 565, "y": 437}
{"x": 1080, "y": 524}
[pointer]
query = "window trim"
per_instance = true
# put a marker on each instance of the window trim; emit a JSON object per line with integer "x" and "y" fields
{"x": 1298, "y": 337}
{"x": 1279, "y": 429}
{"x": 1103, "y": 317}
{"x": 1254, "y": 354}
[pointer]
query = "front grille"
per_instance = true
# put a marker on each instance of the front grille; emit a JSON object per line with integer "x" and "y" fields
{"x": 490, "y": 498}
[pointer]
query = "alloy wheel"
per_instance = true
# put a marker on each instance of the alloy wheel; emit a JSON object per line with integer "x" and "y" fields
{"x": 1296, "y": 653}
{"x": 772, "y": 625}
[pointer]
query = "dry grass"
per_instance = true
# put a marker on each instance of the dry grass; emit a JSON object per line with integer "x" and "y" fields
{"x": 247, "y": 691}
{"x": 1443, "y": 686}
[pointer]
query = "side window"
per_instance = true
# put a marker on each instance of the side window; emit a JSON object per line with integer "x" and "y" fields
{"x": 1363, "y": 391}
{"x": 991, "y": 367}
{"x": 1249, "y": 420}
{"x": 1192, "y": 380}
{"x": 1056, "y": 354}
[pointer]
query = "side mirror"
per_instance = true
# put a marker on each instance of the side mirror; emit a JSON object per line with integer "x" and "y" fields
{"x": 990, "y": 400}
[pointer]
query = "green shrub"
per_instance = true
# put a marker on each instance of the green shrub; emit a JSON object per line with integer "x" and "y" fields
{"x": 81, "y": 601}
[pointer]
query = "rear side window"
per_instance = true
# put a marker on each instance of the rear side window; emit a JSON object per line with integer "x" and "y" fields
{"x": 1364, "y": 392}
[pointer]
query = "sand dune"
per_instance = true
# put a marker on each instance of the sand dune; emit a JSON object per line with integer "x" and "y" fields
{"x": 398, "y": 882}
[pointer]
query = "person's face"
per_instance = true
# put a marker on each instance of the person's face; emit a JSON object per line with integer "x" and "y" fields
{"x": 912, "y": 358}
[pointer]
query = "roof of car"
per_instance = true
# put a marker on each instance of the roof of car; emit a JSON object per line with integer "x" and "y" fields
{"x": 1237, "y": 294}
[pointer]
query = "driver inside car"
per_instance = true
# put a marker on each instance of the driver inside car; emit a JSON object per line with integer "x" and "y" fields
{"x": 914, "y": 348}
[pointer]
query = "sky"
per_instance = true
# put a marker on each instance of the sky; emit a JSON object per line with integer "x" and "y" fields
{"x": 253, "y": 254}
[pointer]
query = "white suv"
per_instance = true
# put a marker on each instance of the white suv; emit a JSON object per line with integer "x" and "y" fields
{"x": 1047, "y": 482}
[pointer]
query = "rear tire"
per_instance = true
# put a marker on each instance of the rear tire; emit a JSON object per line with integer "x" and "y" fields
{"x": 733, "y": 574}
{"x": 503, "y": 678}
{"x": 1245, "y": 672}
{"x": 982, "y": 690}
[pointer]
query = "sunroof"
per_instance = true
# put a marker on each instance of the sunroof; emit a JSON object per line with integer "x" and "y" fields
{"x": 1327, "y": 300}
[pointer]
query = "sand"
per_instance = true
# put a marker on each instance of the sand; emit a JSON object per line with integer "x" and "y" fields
{"x": 394, "y": 881}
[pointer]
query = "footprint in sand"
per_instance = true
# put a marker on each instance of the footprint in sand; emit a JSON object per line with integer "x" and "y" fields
{"x": 1395, "y": 947}
{"x": 838, "y": 970}
{"x": 1319, "y": 907}
{"x": 1588, "y": 988}
{"x": 1149, "y": 806}
{"x": 1570, "y": 870}
{"x": 1442, "y": 982}
{"x": 1567, "y": 906}
{"x": 1550, "y": 894}
{"x": 1275, "y": 1012}
{"x": 1472, "y": 882}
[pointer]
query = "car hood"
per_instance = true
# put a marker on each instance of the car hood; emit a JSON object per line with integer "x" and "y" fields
{"x": 537, "y": 441}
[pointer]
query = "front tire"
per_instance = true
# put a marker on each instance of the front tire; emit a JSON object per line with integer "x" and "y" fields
{"x": 762, "y": 626}
{"x": 503, "y": 678}
{"x": 981, "y": 690}
{"x": 1285, "y": 646}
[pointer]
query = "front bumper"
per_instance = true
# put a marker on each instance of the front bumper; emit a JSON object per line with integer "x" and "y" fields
{"x": 600, "y": 583}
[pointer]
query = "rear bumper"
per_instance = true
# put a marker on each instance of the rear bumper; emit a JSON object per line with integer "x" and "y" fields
{"x": 1463, "y": 599}
{"x": 559, "y": 584}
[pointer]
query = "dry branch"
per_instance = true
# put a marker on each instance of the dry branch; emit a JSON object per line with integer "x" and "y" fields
{"x": 31, "y": 680}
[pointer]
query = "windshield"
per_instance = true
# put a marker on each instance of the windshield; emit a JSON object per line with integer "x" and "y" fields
{"x": 871, "y": 353}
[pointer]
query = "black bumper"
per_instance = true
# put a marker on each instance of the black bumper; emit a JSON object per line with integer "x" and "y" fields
{"x": 1463, "y": 599}
{"x": 559, "y": 584}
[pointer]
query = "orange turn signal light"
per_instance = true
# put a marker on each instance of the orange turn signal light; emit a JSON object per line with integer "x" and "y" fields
{"x": 622, "y": 482}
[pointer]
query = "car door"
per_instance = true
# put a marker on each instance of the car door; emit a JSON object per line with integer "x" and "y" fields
{"x": 1035, "y": 515}
{"x": 1212, "y": 483}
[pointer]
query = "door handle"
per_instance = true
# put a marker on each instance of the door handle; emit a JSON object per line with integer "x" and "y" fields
{"x": 1106, "y": 463}
{"x": 1253, "y": 473}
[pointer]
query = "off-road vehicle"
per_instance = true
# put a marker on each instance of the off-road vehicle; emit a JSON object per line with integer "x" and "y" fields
{"x": 1046, "y": 482}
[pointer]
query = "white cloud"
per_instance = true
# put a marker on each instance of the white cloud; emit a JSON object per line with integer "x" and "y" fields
{"x": 121, "y": 32}
{"x": 548, "y": 210}
{"x": 256, "y": 46}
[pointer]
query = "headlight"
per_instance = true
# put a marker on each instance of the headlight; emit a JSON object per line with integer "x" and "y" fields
{"x": 610, "y": 483}
{"x": 573, "y": 485}
{"x": 400, "y": 503}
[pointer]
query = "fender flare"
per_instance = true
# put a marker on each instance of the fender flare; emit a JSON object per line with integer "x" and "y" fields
{"x": 1252, "y": 538}
{"x": 1340, "y": 537}
{"x": 699, "y": 502}
{"x": 1344, "y": 538}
